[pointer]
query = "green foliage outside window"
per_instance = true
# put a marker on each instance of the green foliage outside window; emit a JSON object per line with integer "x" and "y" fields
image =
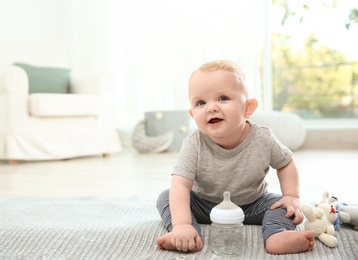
{"x": 315, "y": 81}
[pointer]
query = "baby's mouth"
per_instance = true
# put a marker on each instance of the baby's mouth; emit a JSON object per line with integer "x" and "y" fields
{"x": 215, "y": 120}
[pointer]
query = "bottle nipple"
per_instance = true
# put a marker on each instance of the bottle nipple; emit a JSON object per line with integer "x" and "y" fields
{"x": 227, "y": 212}
{"x": 226, "y": 203}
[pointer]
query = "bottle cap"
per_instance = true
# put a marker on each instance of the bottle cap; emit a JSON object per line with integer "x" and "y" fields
{"x": 227, "y": 212}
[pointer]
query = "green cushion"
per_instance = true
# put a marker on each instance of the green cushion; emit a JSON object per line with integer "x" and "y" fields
{"x": 46, "y": 79}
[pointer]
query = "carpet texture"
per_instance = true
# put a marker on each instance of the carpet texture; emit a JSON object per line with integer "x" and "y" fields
{"x": 92, "y": 228}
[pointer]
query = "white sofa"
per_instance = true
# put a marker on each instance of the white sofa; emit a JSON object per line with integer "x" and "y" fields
{"x": 48, "y": 126}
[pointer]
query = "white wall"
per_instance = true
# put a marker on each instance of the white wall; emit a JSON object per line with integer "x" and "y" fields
{"x": 150, "y": 46}
{"x": 74, "y": 29}
{"x": 23, "y": 24}
{"x": 28, "y": 19}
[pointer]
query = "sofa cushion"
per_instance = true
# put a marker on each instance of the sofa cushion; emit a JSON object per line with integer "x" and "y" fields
{"x": 59, "y": 105}
{"x": 46, "y": 79}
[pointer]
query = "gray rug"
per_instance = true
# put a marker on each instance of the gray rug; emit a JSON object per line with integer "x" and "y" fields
{"x": 92, "y": 228}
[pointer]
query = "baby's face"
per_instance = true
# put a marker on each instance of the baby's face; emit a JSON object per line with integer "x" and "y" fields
{"x": 218, "y": 104}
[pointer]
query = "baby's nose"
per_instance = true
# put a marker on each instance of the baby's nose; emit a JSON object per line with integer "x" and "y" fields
{"x": 212, "y": 107}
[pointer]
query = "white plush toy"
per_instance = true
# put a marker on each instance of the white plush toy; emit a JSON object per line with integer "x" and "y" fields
{"x": 320, "y": 219}
{"x": 346, "y": 214}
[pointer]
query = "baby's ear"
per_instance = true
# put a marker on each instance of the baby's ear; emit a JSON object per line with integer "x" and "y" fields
{"x": 251, "y": 105}
{"x": 191, "y": 113}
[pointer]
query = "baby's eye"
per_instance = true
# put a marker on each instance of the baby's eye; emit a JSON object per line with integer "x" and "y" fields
{"x": 223, "y": 98}
{"x": 200, "y": 103}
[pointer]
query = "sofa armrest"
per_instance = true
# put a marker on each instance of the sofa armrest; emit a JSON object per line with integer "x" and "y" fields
{"x": 14, "y": 79}
{"x": 14, "y": 88}
{"x": 97, "y": 84}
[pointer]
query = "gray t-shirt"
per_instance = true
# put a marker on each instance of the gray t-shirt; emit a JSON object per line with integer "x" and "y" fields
{"x": 241, "y": 171}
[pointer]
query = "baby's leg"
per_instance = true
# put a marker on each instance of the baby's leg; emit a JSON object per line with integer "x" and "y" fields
{"x": 290, "y": 242}
{"x": 164, "y": 210}
{"x": 280, "y": 235}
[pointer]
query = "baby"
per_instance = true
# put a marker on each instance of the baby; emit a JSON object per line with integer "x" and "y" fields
{"x": 230, "y": 153}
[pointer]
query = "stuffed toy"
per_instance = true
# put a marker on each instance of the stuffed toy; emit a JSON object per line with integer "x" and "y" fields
{"x": 320, "y": 219}
{"x": 345, "y": 214}
{"x": 328, "y": 208}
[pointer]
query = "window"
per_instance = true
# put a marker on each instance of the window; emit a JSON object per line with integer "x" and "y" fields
{"x": 315, "y": 58}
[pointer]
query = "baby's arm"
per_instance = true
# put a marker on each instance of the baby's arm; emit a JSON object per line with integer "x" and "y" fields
{"x": 184, "y": 236}
{"x": 289, "y": 182}
{"x": 179, "y": 200}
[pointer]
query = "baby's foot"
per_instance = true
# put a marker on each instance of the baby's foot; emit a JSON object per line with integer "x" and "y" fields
{"x": 289, "y": 242}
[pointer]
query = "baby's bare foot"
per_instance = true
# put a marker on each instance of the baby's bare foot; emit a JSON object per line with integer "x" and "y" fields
{"x": 289, "y": 242}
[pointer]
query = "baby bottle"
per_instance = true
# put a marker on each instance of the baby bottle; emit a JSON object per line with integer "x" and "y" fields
{"x": 227, "y": 227}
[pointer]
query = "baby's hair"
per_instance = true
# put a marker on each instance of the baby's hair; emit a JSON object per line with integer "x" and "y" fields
{"x": 227, "y": 66}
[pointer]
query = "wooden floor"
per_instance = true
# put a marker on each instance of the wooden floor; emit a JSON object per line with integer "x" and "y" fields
{"x": 129, "y": 173}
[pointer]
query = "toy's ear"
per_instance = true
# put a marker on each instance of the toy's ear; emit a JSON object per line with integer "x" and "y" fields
{"x": 325, "y": 198}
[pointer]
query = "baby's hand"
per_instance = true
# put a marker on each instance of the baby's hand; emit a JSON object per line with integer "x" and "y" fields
{"x": 181, "y": 239}
{"x": 293, "y": 207}
{"x": 185, "y": 238}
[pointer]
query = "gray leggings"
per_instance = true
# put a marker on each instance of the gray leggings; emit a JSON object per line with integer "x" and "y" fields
{"x": 256, "y": 213}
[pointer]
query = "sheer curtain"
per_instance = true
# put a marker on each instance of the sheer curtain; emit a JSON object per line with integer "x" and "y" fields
{"x": 153, "y": 46}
